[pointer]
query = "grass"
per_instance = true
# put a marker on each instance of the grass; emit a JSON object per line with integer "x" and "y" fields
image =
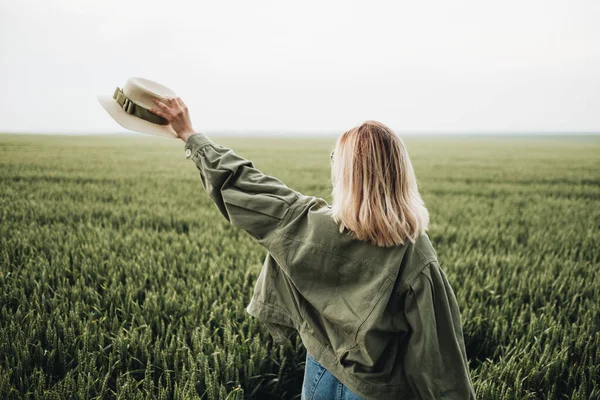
{"x": 120, "y": 279}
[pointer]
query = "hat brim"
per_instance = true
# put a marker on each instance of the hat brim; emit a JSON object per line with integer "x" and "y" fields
{"x": 132, "y": 122}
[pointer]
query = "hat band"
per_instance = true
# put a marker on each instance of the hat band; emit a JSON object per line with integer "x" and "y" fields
{"x": 135, "y": 109}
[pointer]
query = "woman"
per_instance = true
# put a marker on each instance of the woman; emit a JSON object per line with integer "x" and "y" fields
{"x": 359, "y": 280}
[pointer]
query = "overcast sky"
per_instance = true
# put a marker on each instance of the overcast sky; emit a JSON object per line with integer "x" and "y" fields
{"x": 418, "y": 66}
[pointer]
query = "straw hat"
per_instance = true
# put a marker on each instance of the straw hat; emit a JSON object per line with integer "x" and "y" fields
{"x": 130, "y": 106}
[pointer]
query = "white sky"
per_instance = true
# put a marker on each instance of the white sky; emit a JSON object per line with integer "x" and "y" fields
{"x": 464, "y": 66}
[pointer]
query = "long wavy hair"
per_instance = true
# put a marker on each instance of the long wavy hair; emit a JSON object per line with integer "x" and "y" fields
{"x": 374, "y": 187}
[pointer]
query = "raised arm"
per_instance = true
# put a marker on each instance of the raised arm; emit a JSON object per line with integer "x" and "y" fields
{"x": 246, "y": 197}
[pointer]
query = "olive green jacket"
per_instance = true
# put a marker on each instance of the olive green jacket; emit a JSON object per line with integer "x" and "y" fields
{"x": 384, "y": 321}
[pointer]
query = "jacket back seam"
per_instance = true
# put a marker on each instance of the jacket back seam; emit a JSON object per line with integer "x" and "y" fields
{"x": 381, "y": 293}
{"x": 411, "y": 279}
{"x": 342, "y": 256}
{"x": 424, "y": 259}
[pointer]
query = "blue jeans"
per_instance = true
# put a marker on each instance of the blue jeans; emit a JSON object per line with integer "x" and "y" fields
{"x": 319, "y": 384}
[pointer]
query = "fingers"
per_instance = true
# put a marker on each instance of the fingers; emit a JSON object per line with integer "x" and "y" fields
{"x": 182, "y": 104}
{"x": 161, "y": 114}
{"x": 175, "y": 106}
{"x": 161, "y": 104}
{"x": 174, "y": 102}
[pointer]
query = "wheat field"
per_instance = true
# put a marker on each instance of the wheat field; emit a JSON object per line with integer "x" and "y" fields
{"x": 119, "y": 279}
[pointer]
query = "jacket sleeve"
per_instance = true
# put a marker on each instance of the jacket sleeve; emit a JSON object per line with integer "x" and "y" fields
{"x": 246, "y": 197}
{"x": 435, "y": 361}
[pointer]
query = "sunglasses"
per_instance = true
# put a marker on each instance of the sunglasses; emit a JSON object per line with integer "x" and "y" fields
{"x": 332, "y": 155}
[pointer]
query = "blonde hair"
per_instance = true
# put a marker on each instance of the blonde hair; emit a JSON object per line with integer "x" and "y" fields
{"x": 375, "y": 193}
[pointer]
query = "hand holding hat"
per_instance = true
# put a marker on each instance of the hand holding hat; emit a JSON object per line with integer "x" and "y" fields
{"x": 147, "y": 106}
{"x": 175, "y": 111}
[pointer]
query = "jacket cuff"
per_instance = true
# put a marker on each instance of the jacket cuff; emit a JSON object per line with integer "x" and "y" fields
{"x": 196, "y": 142}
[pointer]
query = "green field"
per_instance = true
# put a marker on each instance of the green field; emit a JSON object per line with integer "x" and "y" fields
{"x": 120, "y": 279}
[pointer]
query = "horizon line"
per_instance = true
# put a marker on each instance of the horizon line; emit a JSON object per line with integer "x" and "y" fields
{"x": 320, "y": 133}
